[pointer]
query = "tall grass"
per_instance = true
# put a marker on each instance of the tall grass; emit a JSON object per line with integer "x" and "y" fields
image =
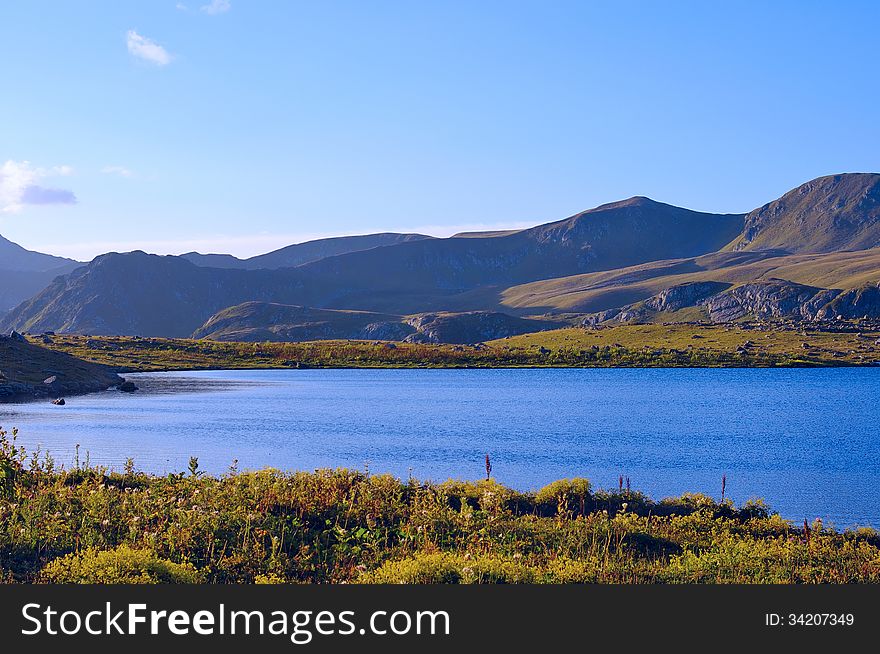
{"x": 87, "y": 524}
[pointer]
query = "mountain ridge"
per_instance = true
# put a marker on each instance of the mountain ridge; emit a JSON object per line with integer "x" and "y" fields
{"x": 25, "y": 272}
{"x": 611, "y": 256}
{"x": 298, "y": 254}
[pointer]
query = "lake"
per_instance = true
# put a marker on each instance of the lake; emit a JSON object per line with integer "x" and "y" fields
{"x": 807, "y": 441}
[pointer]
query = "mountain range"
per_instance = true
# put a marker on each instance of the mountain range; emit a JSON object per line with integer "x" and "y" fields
{"x": 811, "y": 253}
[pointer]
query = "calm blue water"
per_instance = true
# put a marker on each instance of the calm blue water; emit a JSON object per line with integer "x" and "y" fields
{"x": 808, "y": 441}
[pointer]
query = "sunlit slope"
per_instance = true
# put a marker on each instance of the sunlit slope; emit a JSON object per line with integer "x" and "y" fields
{"x": 828, "y": 214}
{"x": 614, "y": 288}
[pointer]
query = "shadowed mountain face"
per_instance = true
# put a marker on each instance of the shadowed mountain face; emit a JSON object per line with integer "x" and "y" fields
{"x": 24, "y": 273}
{"x": 828, "y": 214}
{"x": 142, "y": 294}
{"x": 613, "y": 235}
{"x": 301, "y": 253}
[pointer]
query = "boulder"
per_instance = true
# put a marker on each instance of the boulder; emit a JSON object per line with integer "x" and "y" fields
{"x": 127, "y": 386}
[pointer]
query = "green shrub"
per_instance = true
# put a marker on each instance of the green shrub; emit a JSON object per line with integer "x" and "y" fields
{"x": 122, "y": 565}
{"x": 568, "y": 495}
{"x": 437, "y": 568}
{"x": 447, "y": 568}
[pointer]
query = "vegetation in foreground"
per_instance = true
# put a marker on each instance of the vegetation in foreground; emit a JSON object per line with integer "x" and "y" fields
{"x": 90, "y": 525}
{"x": 649, "y": 345}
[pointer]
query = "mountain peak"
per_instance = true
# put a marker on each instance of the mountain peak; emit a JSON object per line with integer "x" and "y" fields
{"x": 826, "y": 214}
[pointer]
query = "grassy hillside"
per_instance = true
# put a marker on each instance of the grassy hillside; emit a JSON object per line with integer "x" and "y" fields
{"x": 615, "y": 288}
{"x": 90, "y": 525}
{"x": 808, "y": 343}
{"x": 682, "y": 345}
{"x": 269, "y": 321}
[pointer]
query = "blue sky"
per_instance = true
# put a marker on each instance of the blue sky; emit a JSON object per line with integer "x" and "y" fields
{"x": 244, "y": 125}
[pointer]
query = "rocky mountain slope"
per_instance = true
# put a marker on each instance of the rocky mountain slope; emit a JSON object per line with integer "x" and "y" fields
{"x": 719, "y": 302}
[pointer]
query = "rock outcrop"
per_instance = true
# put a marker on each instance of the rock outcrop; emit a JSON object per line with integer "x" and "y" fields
{"x": 775, "y": 298}
{"x": 673, "y": 298}
{"x": 764, "y": 299}
{"x": 862, "y": 302}
{"x": 472, "y": 327}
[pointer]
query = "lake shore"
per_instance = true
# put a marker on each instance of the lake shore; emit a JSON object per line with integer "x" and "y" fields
{"x": 89, "y": 525}
{"x": 680, "y": 345}
{"x": 29, "y": 373}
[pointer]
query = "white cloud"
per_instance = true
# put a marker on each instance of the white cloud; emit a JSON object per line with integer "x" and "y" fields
{"x": 147, "y": 49}
{"x": 19, "y": 186}
{"x": 216, "y": 7}
{"x": 181, "y": 7}
{"x": 119, "y": 171}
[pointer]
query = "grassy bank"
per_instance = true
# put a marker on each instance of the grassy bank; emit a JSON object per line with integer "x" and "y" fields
{"x": 677, "y": 345}
{"x": 87, "y": 524}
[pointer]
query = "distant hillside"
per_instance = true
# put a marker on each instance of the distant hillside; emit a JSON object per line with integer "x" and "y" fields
{"x": 264, "y": 321}
{"x": 143, "y": 294}
{"x": 24, "y": 273}
{"x": 146, "y": 295}
{"x": 828, "y": 214}
{"x": 296, "y": 255}
{"x": 610, "y": 236}
{"x": 269, "y": 321}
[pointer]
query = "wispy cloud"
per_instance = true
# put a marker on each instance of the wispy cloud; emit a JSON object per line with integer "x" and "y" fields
{"x": 216, "y": 7}
{"x": 119, "y": 171}
{"x": 19, "y": 186}
{"x": 146, "y": 49}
